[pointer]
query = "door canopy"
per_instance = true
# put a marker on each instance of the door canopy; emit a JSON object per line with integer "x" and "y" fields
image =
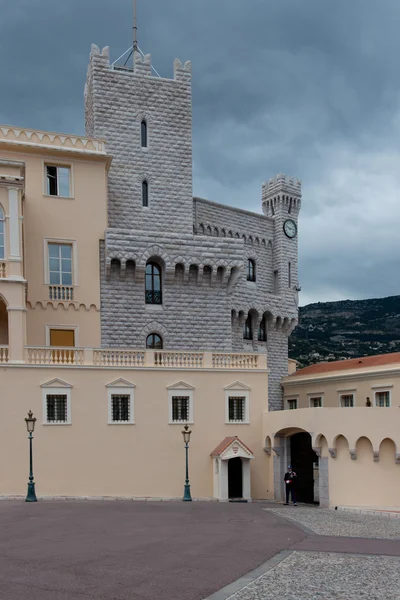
{"x": 232, "y": 447}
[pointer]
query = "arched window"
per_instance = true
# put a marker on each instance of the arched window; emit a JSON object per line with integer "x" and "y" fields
{"x": 145, "y": 193}
{"x": 251, "y": 270}
{"x": 154, "y": 341}
{"x": 262, "y": 331}
{"x": 153, "y": 284}
{"x": 248, "y": 329}
{"x": 143, "y": 133}
{"x": 2, "y": 244}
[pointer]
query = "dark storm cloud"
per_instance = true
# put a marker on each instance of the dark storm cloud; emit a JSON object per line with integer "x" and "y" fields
{"x": 306, "y": 87}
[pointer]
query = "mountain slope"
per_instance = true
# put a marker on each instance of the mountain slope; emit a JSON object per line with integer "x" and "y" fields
{"x": 345, "y": 329}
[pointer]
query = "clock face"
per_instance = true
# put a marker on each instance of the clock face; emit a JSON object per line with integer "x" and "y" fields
{"x": 290, "y": 228}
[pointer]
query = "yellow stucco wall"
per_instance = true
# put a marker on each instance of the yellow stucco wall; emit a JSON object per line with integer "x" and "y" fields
{"x": 91, "y": 458}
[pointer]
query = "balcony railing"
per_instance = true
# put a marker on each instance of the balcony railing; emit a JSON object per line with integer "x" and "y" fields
{"x": 55, "y": 356}
{"x": 61, "y": 292}
{"x": 131, "y": 359}
{"x": 3, "y": 269}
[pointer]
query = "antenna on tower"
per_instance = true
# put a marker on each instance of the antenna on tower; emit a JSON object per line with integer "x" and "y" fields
{"x": 135, "y": 44}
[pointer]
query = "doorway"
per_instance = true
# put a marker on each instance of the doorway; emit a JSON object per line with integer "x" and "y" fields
{"x": 235, "y": 478}
{"x": 302, "y": 460}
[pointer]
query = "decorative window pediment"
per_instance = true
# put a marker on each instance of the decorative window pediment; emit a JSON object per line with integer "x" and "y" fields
{"x": 180, "y": 385}
{"x": 237, "y": 385}
{"x": 56, "y": 383}
{"x": 120, "y": 383}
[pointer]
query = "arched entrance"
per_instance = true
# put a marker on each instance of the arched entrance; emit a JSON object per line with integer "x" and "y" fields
{"x": 303, "y": 459}
{"x": 235, "y": 478}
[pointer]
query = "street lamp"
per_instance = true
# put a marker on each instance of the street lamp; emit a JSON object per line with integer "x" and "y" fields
{"x": 30, "y": 421}
{"x": 186, "y": 438}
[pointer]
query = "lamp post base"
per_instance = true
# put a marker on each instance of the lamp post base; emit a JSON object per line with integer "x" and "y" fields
{"x": 31, "y": 495}
{"x": 186, "y": 494}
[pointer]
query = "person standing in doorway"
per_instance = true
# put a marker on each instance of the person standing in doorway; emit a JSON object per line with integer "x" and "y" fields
{"x": 290, "y": 485}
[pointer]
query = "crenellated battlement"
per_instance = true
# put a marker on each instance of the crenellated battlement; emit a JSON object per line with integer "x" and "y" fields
{"x": 282, "y": 183}
{"x": 281, "y": 190}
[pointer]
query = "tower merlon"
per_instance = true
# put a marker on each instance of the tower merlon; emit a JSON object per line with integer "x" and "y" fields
{"x": 182, "y": 72}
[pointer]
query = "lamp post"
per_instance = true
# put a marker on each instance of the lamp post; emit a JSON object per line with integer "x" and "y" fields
{"x": 186, "y": 438}
{"x": 30, "y": 421}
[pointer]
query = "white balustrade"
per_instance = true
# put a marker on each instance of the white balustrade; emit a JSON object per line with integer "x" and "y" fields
{"x": 55, "y": 356}
{"x": 116, "y": 357}
{"x": 3, "y": 354}
{"x": 61, "y": 292}
{"x": 184, "y": 360}
{"x": 223, "y": 360}
{"x": 119, "y": 358}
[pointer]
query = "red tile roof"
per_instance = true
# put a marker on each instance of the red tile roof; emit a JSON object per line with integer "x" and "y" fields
{"x": 346, "y": 365}
{"x": 226, "y": 443}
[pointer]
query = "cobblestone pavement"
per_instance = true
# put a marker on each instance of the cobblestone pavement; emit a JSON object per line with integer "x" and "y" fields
{"x": 325, "y": 576}
{"x": 325, "y": 521}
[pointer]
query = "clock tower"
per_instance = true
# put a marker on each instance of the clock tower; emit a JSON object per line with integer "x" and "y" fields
{"x": 281, "y": 200}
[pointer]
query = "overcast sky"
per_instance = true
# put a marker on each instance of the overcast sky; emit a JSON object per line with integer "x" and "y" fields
{"x": 310, "y": 88}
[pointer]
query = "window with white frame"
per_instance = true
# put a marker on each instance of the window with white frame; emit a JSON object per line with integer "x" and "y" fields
{"x": 57, "y": 406}
{"x": 180, "y": 404}
{"x": 58, "y": 181}
{"x": 180, "y": 409}
{"x": 347, "y": 400}
{"x": 2, "y": 234}
{"x": 237, "y": 409}
{"x": 382, "y": 399}
{"x": 292, "y": 403}
{"x": 121, "y": 402}
{"x": 237, "y": 406}
{"x": 60, "y": 264}
{"x": 316, "y": 401}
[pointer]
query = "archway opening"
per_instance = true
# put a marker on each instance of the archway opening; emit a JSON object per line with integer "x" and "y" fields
{"x": 303, "y": 460}
{"x": 235, "y": 479}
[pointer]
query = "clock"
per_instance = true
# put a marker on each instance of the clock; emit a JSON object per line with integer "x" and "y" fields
{"x": 290, "y": 228}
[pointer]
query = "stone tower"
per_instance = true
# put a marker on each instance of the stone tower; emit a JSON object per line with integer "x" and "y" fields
{"x": 117, "y": 101}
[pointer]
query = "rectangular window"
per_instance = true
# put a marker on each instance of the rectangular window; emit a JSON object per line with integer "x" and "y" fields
{"x": 292, "y": 404}
{"x": 316, "y": 402}
{"x": 347, "y": 400}
{"x": 62, "y": 338}
{"x": 276, "y": 282}
{"x": 56, "y": 408}
{"x": 237, "y": 409}
{"x": 60, "y": 264}
{"x": 382, "y": 399}
{"x": 120, "y": 408}
{"x": 58, "y": 181}
{"x": 180, "y": 408}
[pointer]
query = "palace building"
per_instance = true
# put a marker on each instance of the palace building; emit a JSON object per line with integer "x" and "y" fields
{"x": 129, "y": 308}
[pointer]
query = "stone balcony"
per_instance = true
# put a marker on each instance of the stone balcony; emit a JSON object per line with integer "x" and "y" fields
{"x": 137, "y": 359}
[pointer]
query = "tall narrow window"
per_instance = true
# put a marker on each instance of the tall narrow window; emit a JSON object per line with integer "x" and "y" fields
{"x": 276, "y": 282}
{"x": 145, "y": 193}
{"x": 143, "y": 133}
{"x": 262, "y": 331}
{"x": 2, "y": 228}
{"x": 251, "y": 270}
{"x": 60, "y": 264}
{"x": 154, "y": 342}
{"x": 153, "y": 284}
{"x": 58, "y": 181}
{"x": 180, "y": 409}
{"x": 237, "y": 409}
{"x": 290, "y": 274}
{"x": 248, "y": 329}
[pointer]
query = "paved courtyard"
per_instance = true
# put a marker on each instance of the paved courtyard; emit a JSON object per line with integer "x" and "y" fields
{"x": 120, "y": 550}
